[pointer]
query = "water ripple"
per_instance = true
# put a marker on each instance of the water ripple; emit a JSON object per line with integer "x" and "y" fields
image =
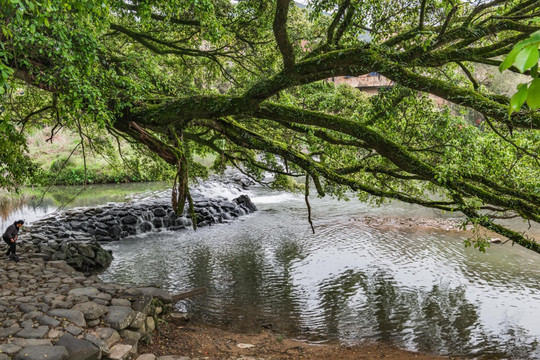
{"x": 418, "y": 289}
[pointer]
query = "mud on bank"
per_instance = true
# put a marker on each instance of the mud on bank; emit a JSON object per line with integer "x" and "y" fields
{"x": 204, "y": 342}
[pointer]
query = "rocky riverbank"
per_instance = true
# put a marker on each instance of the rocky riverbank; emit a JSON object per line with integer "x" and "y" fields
{"x": 50, "y": 311}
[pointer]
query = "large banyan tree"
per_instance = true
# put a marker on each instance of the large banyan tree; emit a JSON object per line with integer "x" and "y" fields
{"x": 248, "y": 80}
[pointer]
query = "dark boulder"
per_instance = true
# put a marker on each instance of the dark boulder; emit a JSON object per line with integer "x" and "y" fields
{"x": 245, "y": 201}
{"x": 145, "y": 226}
{"x": 103, "y": 257}
{"x": 159, "y": 212}
{"x": 86, "y": 250}
{"x": 101, "y": 232}
{"x": 130, "y": 219}
{"x": 78, "y": 348}
{"x": 158, "y": 223}
{"x": 77, "y": 262}
{"x": 102, "y": 238}
{"x": 226, "y": 205}
{"x": 115, "y": 231}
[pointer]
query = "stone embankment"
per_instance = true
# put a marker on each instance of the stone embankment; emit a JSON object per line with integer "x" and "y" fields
{"x": 74, "y": 235}
{"x": 50, "y": 311}
{"x": 117, "y": 220}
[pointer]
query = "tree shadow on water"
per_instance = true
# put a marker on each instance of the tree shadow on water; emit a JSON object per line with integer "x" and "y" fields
{"x": 359, "y": 305}
{"x": 251, "y": 286}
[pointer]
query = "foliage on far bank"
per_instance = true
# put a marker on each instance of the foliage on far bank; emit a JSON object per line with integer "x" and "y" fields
{"x": 63, "y": 172}
{"x": 15, "y": 164}
{"x": 59, "y": 161}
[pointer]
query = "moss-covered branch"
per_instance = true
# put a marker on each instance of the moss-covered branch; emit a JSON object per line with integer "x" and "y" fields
{"x": 398, "y": 155}
{"x": 280, "y": 32}
{"x": 249, "y": 139}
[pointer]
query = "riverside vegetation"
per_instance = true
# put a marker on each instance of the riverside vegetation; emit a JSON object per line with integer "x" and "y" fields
{"x": 59, "y": 161}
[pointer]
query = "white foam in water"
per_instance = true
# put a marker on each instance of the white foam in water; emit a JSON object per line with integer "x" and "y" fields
{"x": 214, "y": 190}
{"x": 149, "y": 195}
{"x": 275, "y": 199}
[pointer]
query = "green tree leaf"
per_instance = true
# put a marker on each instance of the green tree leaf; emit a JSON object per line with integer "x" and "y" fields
{"x": 534, "y": 39}
{"x": 534, "y": 71}
{"x": 518, "y": 99}
{"x": 533, "y": 96}
{"x": 527, "y": 57}
{"x": 510, "y": 58}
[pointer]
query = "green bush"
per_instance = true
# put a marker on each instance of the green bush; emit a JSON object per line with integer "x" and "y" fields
{"x": 72, "y": 174}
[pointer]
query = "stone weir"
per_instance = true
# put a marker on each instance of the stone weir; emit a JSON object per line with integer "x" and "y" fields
{"x": 74, "y": 235}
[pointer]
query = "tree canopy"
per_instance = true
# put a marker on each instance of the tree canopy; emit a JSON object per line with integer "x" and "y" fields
{"x": 245, "y": 80}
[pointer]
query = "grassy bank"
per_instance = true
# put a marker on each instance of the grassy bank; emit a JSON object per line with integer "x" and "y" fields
{"x": 60, "y": 161}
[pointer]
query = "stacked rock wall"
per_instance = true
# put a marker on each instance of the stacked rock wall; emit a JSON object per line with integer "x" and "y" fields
{"x": 117, "y": 220}
{"x": 74, "y": 235}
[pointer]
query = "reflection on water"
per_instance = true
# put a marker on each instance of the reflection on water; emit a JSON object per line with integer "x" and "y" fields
{"x": 420, "y": 290}
{"x": 10, "y": 204}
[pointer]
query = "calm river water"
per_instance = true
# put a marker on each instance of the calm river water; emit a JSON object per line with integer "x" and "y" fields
{"x": 418, "y": 289}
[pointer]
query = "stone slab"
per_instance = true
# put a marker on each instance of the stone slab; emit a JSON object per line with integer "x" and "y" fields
{"x": 143, "y": 304}
{"x": 61, "y": 264}
{"x": 48, "y": 320}
{"x": 31, "y": 342}
{"x": 43, "y": 352}
{"x": 103, "y": 338}
{"x": 91, "y": 310}
{"x": 33, "y": 333}
{"x": 85, "y": 291}
{"x": 74, "y": 316}
{"x": 10, "y": 349}
{"x": 138, "y": 321}
{"x": 120, "y": 317}
{"x": 147, "y": 357}
{"x": 79, "y": 349}
{"x": 120, "y": 352}
{"x": 7, "y": 332}
{"x": 161, "y": 294}
{"x": 120, "y": 302}
{"x": 74, "y": 330}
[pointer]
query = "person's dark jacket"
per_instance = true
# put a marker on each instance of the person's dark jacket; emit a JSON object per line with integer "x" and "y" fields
{"x": 11, "y": 232}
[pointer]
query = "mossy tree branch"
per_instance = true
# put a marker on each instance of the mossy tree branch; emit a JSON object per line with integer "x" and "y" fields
{"x": 280, "y": 32}
{"x": 398, "y": 155}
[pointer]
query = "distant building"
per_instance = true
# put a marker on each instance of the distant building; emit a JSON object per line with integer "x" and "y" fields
{"x": 369, "y": 83}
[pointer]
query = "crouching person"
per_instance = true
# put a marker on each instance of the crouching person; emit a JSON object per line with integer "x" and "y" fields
{"x": 10, "y": 238}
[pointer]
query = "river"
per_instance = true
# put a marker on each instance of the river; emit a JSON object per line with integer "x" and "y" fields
{"x": 353, "y": 281}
